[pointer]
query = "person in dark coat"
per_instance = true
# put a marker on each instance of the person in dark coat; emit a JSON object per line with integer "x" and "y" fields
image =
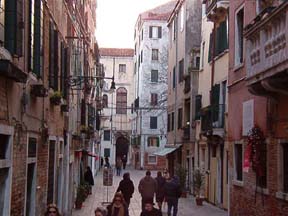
{"x": 88, "y": 176}
{"x": 160, "y": 189}
{"x": 172, "y": 194}
{"x": 118, "y": 206}
{"x": 124, "y": 161}
{"x": 149, "y": 210}
{"x": 147, "y": 188}
{"x": 126, "y": 187}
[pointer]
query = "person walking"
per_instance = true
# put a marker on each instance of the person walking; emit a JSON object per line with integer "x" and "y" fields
{"x": 100, "y": 212}
{"x": 150, "y": 210}
{"x": 52, "y": 210}
{"x": 126, "y": 187}
{"x": 88, "y": 177}
{"x": 107, "y": 163}
{"x": 147, "y": 188}
{"x": 160, "y": 189}
{"x": 118, "y": 206}
{"x": 118, "y": 166}
{"x": 172, "y": 194}
{"x": 124, "y": 161}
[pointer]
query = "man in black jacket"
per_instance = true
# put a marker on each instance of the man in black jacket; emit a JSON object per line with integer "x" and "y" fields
{"x": 149, "y": 210}
{"x": 126, "y": 187}
{"x": 172, "y": 190}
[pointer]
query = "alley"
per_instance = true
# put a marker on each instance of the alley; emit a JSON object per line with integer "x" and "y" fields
{"x": 187, "y": 205}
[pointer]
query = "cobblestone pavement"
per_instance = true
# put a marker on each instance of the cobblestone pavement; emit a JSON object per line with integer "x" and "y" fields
{"x": 186, "y": 206}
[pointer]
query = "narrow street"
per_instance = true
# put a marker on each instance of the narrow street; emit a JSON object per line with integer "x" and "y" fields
{"x": 186, "y": 206}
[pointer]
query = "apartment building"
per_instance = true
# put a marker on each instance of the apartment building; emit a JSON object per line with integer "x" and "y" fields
{"x": 37, "y": 163}
{"x": 211, "y": 103}
{"x": 116, "y": 116}
{"x": 258, "y": 107}
{"x": 151, "y": 64}
{"x": 184, "y": 25}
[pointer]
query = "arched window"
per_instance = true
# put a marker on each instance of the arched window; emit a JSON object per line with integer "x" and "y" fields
{"x": 105, "y": 101}
{"x": 121, "y": 101}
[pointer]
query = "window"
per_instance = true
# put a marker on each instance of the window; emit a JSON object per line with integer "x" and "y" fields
{"x": 153, "y": 122}
{"x": 35, "y": 37}
{"x": 154, "y": 99}
{"x": 262, "y": 180}
{"x": 172, "y": 121}
{"x": 198, "y": 106}
{"x": 203, "y": 54}
{"x": 168, "y": 122}
{"x": 121, "y": 101}
{"x": 239, "y": 37}
{"x": 182, "y": 19}
{"x": 105, "y": 101}
{"x": 180, "y": 115}
{"x": 181, "y": 71}
{"x": 122, "y": 68}
{"x": 142, "y": 34}
{"x": 155, "y": 54}
{"x": 174, "y": 29}
{"x": 174, "y": 78}
{"x": 141, "y": 56}
{"x": 153, "y": 142}
{"x": 32, "y": 147}
{"x": 107, "y": 152}
{"x": 106, "y": 135}
{"x": 5, "y": 149}
{"x": 154, "y": 76}
{"x": 53, "y": 57}
{"x": 155, "y": 32}
{"x": 238, "y": 162}
{"x": 152, "y": 159}
{"x": 285, "y": 167}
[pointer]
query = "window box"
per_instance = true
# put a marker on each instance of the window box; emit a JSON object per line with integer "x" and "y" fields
{"x": 56, "y": 98}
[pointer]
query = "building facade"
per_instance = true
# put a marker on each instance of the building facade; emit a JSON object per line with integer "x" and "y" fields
{"x": 151, "y": 64}
{"x": 116, "y": 116}
{"x": 37, "y": 163}
{"x": 211, "y": 103}
{"x": 258, "y": 107}
{"x": 184, "y": 26}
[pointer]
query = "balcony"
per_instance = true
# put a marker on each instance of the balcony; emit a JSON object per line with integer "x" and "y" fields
{"x": 216, "y": 10}
{"x": 212, "y": 118}
{"x": 267, "y": 51}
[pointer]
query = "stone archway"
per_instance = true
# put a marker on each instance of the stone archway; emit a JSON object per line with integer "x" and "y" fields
{"x": 122, "y": 146}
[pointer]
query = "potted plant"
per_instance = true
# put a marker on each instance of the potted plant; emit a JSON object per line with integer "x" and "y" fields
{"x": 80, "y": 198}
{"x": 181, "y": 172}
{"x": 198, "y": 181}
{"x": 56, "y": 97}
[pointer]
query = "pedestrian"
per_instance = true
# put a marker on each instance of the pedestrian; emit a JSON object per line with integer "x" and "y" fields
{"x": 102, "y": 162}
{"x": 160, "y": 189}
{"x": 147, "y": 188}
{"x": 150, "y": 210}
{"x": 172, "y": 194}
{"x": 118, "y": 206}
{"x": 100, "y": 212}
{"x": 107, "y": 163}
{"x": 52, "y": 210}
{"x": 166, "y": 174}
{"x": 118, "y": 166}
{"x": 126, "y": 187}
{"x": 88, "y": 177}
{"x": 124, "y": 161}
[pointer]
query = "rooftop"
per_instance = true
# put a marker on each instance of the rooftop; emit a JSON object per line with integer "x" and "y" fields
{"x": 117, "y": 52}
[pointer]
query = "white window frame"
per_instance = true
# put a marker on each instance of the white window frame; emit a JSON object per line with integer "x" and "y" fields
{"x": 8, "y": 163}
{"x": 148, "y": 159}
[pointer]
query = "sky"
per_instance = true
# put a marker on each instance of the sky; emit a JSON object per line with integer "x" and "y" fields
{"x": 116, "y": 20}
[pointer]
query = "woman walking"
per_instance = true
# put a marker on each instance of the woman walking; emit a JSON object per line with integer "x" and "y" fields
{"x": 160, "y": 192}
{"x": 118, "y": 206}
{"x": 52, "y": 210}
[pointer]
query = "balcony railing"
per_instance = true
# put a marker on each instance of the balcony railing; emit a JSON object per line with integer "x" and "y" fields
{"x": 212, "y": 117}
{"x": 266, "y": 45}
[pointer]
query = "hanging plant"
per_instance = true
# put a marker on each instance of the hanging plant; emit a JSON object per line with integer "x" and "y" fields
{"x": 256, "y": 142}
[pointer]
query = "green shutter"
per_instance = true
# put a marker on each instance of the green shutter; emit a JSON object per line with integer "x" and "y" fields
{"x": 210, "y": 47}
{"x": 198, "y": 106}
{"x": 51, "y": 55}
{"x": 215, "y": 102}
{"x": 158, "y": 142}
{"x": 159, "y": 32}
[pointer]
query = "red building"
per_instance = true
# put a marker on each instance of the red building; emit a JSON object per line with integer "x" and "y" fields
{"x": 258, "y": 81}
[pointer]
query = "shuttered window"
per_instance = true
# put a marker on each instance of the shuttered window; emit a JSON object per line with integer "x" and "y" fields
{"x": 121, "y": 101}
{"x": 153, "y": 122}
{"x": 172, "y": 121}
{"x": 215, "y": 101}
{"x": 198, "y": 106}
{"x": 13, "y": 29}
{"x": 155, "y": 54}
{"x": 64, "y": 72}
{"x": 154, "y": 99}
{"x": 83, "y": 112}
{"x": 53, "y": 57}
{"x": 174, "y": 78}
{"x": 180, "y": 117}
{"x": 106, "y": 135}
{"x": 238, "y": 161}
{"x": 154, "y": 76}
{"x": 105, "y": 101}
{"x": 155, "y": 31}
{"x": 181, "y": 71}
{"x": 168, "y": 122}
{"x": 153, "y": 142}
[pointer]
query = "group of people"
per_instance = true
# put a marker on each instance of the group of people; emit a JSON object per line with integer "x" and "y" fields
{"x": 163, "y": 188}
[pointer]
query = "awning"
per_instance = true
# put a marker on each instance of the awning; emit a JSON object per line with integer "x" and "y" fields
{"x": 166, "y": 150}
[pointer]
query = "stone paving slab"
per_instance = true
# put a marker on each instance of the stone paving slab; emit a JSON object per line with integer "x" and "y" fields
{"x": 187, "y": 206}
